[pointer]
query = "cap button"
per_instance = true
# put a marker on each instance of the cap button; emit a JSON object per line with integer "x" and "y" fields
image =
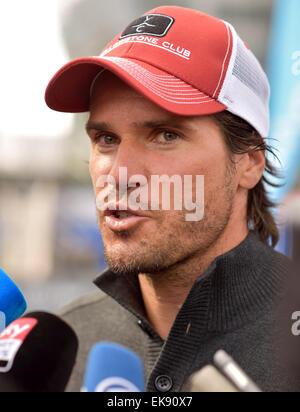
{"x": 163, "y": 383}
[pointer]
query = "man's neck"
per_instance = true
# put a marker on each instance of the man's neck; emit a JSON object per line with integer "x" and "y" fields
{"x": 165, "y": 292}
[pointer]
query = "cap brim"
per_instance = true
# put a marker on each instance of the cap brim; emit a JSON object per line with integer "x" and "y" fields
{"x": 70, "y": 88}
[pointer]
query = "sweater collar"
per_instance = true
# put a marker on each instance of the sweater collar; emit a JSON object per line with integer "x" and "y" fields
{"x": 234, "y": 290}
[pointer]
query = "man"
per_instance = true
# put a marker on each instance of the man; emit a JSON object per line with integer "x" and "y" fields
{"x": 179, "y": 94}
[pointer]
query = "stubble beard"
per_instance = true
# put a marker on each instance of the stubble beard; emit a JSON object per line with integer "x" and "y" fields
{"x": 175, "y": 241}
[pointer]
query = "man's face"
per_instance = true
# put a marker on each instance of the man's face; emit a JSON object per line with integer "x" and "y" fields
{"x": 129, "y": 131}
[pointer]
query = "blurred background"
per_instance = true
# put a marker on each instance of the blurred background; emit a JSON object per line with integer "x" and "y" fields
{"x": 49, "y": 239}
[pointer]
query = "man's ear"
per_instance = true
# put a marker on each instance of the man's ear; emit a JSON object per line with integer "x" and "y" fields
{"x": 252, "y": 166}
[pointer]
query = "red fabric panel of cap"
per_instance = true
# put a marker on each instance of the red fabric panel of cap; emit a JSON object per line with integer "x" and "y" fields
{"x": 197, "y": 48}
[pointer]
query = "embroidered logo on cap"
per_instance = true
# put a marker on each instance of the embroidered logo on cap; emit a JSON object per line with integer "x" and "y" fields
{"x": 152, "y": 24}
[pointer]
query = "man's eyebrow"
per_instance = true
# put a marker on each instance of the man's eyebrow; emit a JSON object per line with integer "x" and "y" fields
{"x": 92, "y": 125}
{"x": 150, "y": 124}
{"x": 164, "y": 123}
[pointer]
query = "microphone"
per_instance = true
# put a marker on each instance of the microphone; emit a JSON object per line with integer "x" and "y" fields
{"x": 113, "y": 368}
{"x": 210, "y": 380}
{"x": 12, "y": 301}
{"x": 37, "y": 354}
{"x": 234, "y": 373}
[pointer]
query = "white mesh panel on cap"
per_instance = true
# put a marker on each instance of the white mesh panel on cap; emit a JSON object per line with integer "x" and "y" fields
{"x": 246, "y": 90}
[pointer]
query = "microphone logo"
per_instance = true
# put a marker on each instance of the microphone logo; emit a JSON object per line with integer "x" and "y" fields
{"x": 11, "y": 340}
{"x": 2, "y": 321}
{"x": 116, "y": 384}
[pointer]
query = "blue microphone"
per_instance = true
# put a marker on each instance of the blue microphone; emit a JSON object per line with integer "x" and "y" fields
{"x": 113, "y": 368}
{"x": 12, "y": 301}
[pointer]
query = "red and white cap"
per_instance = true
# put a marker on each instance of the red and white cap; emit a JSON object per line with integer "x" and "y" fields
{"x": 183, "y": 60}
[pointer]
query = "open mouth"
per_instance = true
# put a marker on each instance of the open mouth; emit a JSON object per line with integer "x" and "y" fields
{"x": 122, "y": 214}
{"x": 118, "y": 220}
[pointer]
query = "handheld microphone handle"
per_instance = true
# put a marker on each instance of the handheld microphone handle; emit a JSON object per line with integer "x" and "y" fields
{"x": 233, "y": 372}
{"x": 210, "y": 380}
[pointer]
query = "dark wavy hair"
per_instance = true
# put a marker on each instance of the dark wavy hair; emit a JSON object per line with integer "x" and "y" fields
{"x": 242, "y": 138}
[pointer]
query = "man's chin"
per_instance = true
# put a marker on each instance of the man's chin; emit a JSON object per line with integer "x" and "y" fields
{"x": 123, "y": 259}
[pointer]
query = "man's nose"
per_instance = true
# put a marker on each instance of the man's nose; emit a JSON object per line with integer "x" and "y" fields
{"x": 130, "y": 160}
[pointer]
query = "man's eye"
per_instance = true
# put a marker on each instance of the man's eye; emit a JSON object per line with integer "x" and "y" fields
{"x": 106, "y": 140}
{"x": 165, "y": 137}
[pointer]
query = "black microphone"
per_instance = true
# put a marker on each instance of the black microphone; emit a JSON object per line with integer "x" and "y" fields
{"x": 37, "y": 354}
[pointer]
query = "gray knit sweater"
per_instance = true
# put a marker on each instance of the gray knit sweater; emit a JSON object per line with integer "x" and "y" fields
{"x": 232, "y": 306}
